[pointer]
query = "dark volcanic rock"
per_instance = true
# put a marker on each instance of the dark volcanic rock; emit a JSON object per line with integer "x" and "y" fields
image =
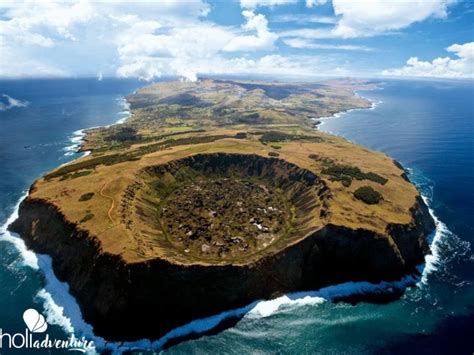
{"x": 119, "y": 298}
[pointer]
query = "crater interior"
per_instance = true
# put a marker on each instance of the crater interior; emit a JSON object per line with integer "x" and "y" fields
{"x": 226, "y": 207}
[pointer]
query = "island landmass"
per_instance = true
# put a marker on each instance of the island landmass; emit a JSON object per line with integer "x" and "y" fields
{"x": 217, "y": 193}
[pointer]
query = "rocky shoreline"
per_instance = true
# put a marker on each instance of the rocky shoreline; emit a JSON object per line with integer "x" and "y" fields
{"x": 101, "y": 218}
{"x": 115, "y": 295}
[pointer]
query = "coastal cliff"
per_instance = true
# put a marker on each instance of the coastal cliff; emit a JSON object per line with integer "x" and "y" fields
{"x": 116, "y": 296}
{"x": 216, "y": 194}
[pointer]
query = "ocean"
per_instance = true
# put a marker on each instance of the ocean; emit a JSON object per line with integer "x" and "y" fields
{"x": 428, "y": 126}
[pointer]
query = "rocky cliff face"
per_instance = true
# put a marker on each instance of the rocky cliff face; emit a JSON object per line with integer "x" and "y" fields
{"x": 117, "y": 298}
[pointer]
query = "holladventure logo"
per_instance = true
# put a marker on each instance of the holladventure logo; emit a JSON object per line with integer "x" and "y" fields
{"x": 31, "y": 339}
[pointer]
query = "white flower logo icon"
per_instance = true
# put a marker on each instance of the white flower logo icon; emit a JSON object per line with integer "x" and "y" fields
{"x": 35, "y": 321}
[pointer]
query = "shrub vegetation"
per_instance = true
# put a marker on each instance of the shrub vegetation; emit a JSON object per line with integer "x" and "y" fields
{"x": 368, "y": 195}
{"x": 345, "y": 174}
{"x": 86, "y": 196}
{"x": 87, "y": 217}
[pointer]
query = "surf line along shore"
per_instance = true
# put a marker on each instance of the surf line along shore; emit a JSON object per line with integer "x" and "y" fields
{"x": 343, "y": 213}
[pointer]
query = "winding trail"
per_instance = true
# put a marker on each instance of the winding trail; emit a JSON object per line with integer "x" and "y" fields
{"x": 109, "y": 212}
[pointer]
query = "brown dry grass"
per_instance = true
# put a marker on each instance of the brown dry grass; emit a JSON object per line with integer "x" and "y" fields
{"x": 109, "y": 183}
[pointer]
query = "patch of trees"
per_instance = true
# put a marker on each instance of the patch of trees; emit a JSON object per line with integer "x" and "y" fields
{"x": 368, "y": 195}
{"x": 275, "y": 136}
{"x": 123, "y": 134}
{"x": 345, "y": 174}
{"x": 87, "y": 217}
{"x": 86, "y": 197}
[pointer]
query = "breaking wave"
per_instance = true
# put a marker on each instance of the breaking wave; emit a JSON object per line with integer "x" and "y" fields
{"x": 62, "y": 309}
{"x": 373, "y": 105}
{"x": 125, "y": 113}
{"x": 77, "y": 137}
{"x": 28, "y": 258}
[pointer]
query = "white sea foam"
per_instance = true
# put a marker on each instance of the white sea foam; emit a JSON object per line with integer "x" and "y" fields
{"x": 126, "y": 110}
{"x": 28, "y": 258}
{"x": 77, "y": 137}
{"x": 62, "y": 309}
{"x": 298, "y": 299}
{"x": 76, "y": 140}
{"x": 440, "y": 234}
{"x": 54, "y": 312}
{"x": 373, "y": 105}
{"x": 433, "y": 260}
{"x": 270, "y": 307}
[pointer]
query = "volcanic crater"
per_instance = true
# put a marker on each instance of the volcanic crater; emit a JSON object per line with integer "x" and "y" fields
{"x": 228, "y": 206}
{"x": 215, "y": 194}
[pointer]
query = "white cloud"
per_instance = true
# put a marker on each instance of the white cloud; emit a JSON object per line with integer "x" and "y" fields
{"x": 262, "y": 40}
{"x": 269, "y": 64}
{"x": 87, "y": 33}
{"x": 309, "y": 33}
{"x": 441, "y": 67}
{"x": 57, "y": 19}
{"x": 304, "y": 43}
{"x": 311, "y": 3}
{"x": 373, "y": 17}
{"x": 147, "y": 55}
{"x": 14, "y": 63}
{"x": 144, "y": 39}
{"x": 359, "y": 19}
{"x": 169, "y": 12}
{"x": 253, "y": 4}
{"x": 144, "y": 68}
{"x": 306, "y": 18}
{"x": 29, "y": 29}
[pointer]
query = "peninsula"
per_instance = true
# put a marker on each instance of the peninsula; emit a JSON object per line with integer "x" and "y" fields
{"x": 214, "y": 194}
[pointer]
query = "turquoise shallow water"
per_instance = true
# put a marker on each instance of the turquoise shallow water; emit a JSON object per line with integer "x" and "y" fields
{"x": 426, "y": 125}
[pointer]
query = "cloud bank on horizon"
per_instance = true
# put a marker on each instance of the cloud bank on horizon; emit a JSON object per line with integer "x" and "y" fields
{"x": 148, "y": 39}
{"x": 442, "y": 67}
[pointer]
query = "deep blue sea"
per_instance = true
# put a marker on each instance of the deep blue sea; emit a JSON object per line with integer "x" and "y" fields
{"x": 426, "y": 125}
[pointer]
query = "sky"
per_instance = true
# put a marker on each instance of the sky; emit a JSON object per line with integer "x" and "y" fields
{"x": 188, "y": 38}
